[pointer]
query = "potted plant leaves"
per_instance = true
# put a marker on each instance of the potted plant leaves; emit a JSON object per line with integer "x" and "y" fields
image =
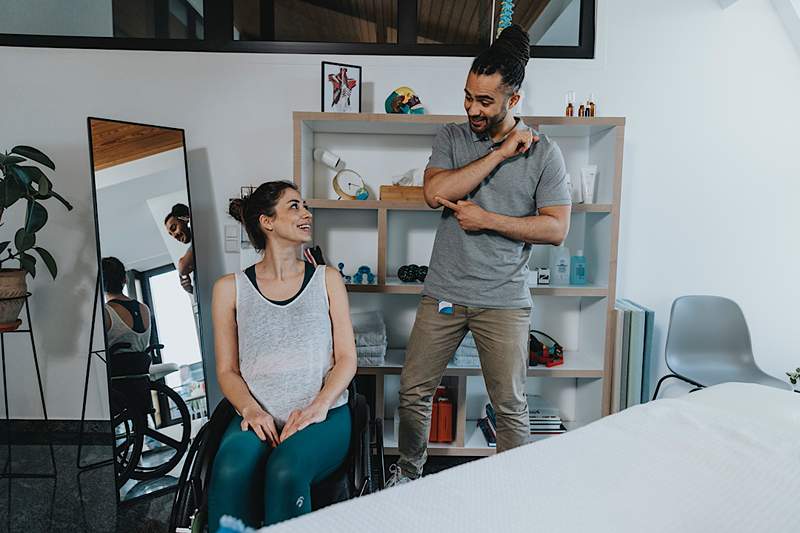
{"x": 794, "y": 379}
{"x": 23, "y": 182}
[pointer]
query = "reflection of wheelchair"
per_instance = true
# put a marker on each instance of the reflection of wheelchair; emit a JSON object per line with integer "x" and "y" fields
{"x": 148, "y": 441}
{"x": 361, "y": 473}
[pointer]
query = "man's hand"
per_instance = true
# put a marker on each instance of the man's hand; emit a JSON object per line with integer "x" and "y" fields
{"x": 299, "y": 420}
{"x": 186, "y": 283}
{"x": 470, "y": 216}
{"x": 517, "y": 142}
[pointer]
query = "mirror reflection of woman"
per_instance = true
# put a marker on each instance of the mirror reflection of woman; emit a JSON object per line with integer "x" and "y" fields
{"x": 285, "y": 355}
{"x": 126, "y": 320}
{"x": 178, "y": 225}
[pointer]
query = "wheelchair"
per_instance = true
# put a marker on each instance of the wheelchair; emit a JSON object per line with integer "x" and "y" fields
{"x": 362, "y": 472}
{"x": 139, "y": 428}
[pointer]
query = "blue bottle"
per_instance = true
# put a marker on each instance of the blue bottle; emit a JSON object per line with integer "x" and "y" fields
{"x": 577, "y": 273}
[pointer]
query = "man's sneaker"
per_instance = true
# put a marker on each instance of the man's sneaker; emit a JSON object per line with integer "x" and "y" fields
{"x": 397, "y": 477}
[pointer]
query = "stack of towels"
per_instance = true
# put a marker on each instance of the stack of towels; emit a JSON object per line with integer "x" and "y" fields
{"x": 370, "y": 333}
{"x": 467, "y": 353}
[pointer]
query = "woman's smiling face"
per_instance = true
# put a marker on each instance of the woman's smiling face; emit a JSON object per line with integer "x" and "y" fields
{"x": 292, "y": 219}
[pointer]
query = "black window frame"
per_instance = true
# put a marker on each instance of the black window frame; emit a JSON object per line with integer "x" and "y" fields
{"x": 218, "y": 32}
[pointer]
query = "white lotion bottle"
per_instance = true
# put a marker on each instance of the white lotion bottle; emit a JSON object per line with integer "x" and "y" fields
{"x": 559, "y": 265}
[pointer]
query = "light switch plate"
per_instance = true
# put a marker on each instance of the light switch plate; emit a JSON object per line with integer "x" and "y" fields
{"x": 231, "y": 232}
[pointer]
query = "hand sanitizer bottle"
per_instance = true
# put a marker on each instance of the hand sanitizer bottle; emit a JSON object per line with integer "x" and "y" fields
{"x": 577, "y": 275}
{"x": 559, "y": 268}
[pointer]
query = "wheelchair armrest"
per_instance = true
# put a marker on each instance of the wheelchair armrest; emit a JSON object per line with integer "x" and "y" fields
{"x": 153, "y": 347}
{"x": 160, "y": 370}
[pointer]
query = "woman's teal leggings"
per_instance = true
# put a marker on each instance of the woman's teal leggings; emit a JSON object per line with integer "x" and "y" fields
{"x": 258, "y": 484}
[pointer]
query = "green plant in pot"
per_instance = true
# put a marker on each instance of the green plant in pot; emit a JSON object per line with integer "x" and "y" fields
{"x": 794, "y": 378}
{"x": 23, "y": 182}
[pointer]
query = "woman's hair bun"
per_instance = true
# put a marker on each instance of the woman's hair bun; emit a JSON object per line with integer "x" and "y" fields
{"x": 236, "y": 209}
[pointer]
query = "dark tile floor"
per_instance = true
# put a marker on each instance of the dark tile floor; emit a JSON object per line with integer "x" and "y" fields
{"x": 75, "y": 501}
{"x": 78, "y": 501}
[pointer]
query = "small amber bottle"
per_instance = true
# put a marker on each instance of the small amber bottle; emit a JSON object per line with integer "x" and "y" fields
{"x": 592, "y": 105}
{"x": 570, "y": 112}
{"x": 582, "y": 111}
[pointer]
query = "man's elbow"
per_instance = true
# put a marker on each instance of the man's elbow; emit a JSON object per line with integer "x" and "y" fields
{"x": 559, "y": 234}
{"x": 430, "y": 197}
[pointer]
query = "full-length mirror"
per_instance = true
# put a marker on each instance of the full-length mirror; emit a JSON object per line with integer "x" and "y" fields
{"x": 150, "y": 314}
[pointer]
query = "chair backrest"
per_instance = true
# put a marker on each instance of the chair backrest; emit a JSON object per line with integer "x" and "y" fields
{"x": 708, "y": 341}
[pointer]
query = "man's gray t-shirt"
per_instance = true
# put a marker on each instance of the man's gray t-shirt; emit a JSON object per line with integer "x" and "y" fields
{"x": 486, "y": 269}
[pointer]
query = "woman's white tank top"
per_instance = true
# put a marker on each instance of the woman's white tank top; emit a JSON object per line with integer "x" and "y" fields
{"x": 285, "y": 351}
{"x": 120, "y": 332}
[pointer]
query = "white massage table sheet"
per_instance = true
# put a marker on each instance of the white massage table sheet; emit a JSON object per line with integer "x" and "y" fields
{"x": 726, "y": 458}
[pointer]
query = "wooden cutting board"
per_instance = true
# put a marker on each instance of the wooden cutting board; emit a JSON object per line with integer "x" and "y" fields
{"x": 400, "y": 193}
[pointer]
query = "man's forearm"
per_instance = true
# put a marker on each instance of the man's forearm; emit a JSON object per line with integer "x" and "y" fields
{"x": 538, "y": 229}
{"x": 455, "y": 184}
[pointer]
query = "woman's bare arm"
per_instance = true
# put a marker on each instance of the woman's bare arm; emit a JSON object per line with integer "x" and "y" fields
{"x": 226, "y": 350}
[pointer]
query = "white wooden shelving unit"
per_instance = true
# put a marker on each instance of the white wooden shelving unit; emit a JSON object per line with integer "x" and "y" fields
{"x": 387, "y": 234}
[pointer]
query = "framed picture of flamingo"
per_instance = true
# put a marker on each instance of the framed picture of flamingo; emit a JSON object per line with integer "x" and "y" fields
{"x": 341, "y": 88}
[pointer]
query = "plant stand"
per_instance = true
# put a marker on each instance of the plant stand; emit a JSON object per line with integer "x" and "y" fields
{"x": 7, "y": 472}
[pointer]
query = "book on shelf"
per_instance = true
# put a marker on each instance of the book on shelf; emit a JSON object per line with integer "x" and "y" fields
{"x": 539, "y": 408}
{"x": 544, "y": 419}
{"x": 535, "y": 425}
{"x": 647, "y": 348}
{"x": 490, "y": 415}
{"x": 634, "y": 358}
{"x": 549, "y": 431}
{"x": 616, "y": 383}
{"x": 488, "y": 432}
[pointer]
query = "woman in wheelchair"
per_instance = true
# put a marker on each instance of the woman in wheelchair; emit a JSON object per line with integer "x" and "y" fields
{"x": 285, "y": 355}
{"x": 126, "y": 320}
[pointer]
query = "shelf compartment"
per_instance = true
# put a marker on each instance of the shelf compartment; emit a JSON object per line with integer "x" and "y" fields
{"x": 474, "y": 441}
{"x": 391, "y": 205}
{"x": 394, "y": 286}
{"x": 576, "y": 365}
{"x": 386, "y": 124}
{"x": 591, "y": 291}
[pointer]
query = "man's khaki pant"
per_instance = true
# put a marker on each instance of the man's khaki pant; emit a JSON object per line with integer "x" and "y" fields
{"x": 501, "y": 336}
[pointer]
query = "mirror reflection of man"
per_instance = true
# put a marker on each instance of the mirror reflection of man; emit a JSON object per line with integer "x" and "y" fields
{"x": 178, "y": 225}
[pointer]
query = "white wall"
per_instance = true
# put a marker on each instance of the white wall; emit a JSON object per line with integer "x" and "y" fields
{"x": 131, "y": 212}
{"x": 711, "y": 166}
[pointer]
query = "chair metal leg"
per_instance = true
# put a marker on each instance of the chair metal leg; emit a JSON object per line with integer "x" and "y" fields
{"x": 676, "y": 376}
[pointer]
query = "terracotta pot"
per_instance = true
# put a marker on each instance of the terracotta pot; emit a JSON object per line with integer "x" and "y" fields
{"x": 12, "y": 296}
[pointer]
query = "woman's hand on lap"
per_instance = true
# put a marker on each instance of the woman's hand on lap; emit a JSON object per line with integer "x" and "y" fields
{"x": 262, "y": 424}
{"x": 299, "y": 420}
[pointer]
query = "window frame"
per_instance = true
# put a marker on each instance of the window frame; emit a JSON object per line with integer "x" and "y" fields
{"x": 218, "y": 32}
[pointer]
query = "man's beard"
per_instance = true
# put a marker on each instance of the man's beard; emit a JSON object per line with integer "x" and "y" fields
{"x": 491, "y": 123}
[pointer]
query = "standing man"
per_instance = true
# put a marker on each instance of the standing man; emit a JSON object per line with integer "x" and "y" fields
{"x": 503, "y": 189}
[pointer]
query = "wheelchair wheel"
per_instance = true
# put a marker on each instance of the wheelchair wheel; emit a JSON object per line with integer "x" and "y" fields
{"x": 377, "y": 475}
{"x": 189, "y": 495}
{"x": 189, "y": 508}
{"x": 127, "y": 425}
{"x": 169, "y": 450}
